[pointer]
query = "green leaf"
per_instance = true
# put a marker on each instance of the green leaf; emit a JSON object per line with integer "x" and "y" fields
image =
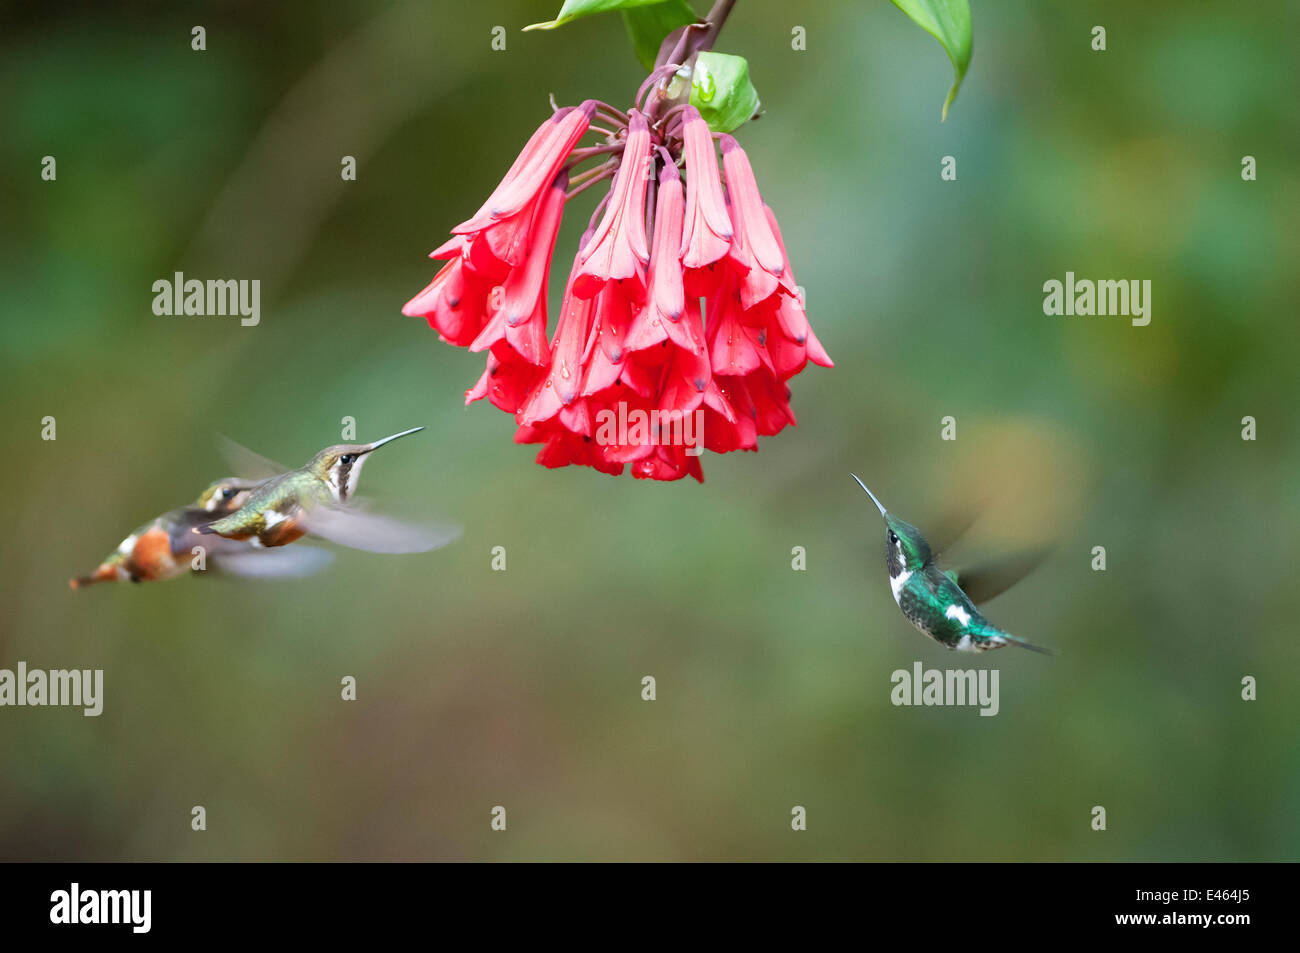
{"x": 576, "y": 9}
{"x": 648, "y": 25}
{"x": 948, "y": 21}
{"x": 722, "y": 92}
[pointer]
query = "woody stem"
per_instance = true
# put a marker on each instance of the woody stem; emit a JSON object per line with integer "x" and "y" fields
{"x": 713, "y": 25}
{"x": 682, "y": 44}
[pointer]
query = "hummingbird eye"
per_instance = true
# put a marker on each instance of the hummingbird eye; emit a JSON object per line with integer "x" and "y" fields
{"x": 228, "y": 493}
{"x": 347, "y": 458}
{"x": 893, "y": 537}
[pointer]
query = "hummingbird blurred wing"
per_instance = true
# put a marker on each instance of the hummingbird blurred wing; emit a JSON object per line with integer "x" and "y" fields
{"x": 288, "y": 562}
{"x": 246, "y": 463}
{"x": 185, "y": 533}
{"x": 375, "y": 533}
{"x": 987, "y": 580}
{"x": 944, "y": 532}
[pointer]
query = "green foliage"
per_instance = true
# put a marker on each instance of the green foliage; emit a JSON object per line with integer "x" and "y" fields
{"x": 576, "y": 9}
{"x": 722, "y": 92}
{"x": 948, "y": 21}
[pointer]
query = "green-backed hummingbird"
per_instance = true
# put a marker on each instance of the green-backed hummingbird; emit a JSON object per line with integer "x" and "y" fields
{"x": 319, "y": 498}
{"x": 163, "y": 548}
{"x": 931, "y": 598}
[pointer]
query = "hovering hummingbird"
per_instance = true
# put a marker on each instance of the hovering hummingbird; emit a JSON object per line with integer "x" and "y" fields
{"x": 163, "y": 548}
{"x": 318, "y": 498}
{"x": 931, "y": 598}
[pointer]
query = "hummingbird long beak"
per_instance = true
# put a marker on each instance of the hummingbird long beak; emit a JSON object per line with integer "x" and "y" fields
{"x": 870, "y": 494}
{"x": 379, "y": 443}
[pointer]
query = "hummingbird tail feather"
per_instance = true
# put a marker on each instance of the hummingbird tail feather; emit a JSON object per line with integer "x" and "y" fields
{"x": 105, "y": 572}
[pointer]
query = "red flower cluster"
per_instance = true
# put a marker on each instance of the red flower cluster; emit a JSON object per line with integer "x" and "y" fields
{"x": 662, "y": 346}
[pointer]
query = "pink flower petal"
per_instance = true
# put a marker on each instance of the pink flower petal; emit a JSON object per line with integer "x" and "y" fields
{"x": 617, "y": 249}
{"x": 666, "y": 300}
{"x": 454, "y": 303}
{"x": 535, "y": 167}
{"x": 523, "y": 296}
{"x": 604, "y": 364}
{"x": 561, "y": 383}
{"x": 707, "y": 231}
{"x": 754, "y": 252}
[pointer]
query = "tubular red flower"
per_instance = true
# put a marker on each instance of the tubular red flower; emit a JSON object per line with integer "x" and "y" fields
{"x": 685, "y": 381}
{"x": 476, "y": 255}
{"x": 666, "y": 301}
{"x": 688, "y": 333}
{"x": 503, "y": 245}
{"x": 729, "y": 417}
{"x": 453, "y": 303}
{"x": 754, "y": 251}
{"x": 731, "y": 350}
{"x": 630, "y": 339}
{"x": 563, "y": 448}
{"x": 507, "y": 380}
{"x": 668, "y": 463}
{"x": 520, "y": 313}
{"x": 605, "y": 350}
{"x": 617, "y": 249}
{"x": 535, "y": 167}
{"x": 791, "y": 319}
{"x": 788, "y": 357}
{"x": 561, "y": 384}
{"x": 707, "y": 232}
{"x": 576, "y": 418}
{"x": 632, "y": 440}
{"x": 640, "y": 375}
{"x": 816, "y": 353}
{"x": 771, "y": 400}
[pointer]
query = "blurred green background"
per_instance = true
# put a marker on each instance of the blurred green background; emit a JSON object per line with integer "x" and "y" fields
{"x": 522, "y": 688}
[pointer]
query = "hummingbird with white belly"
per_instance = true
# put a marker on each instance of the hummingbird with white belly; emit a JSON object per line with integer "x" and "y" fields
{"x": 941, "y": 603}
{"x": 319, "y": 499}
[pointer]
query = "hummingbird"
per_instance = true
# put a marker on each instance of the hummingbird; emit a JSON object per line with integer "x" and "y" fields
{"x": 318, "y": 498}
{"x": 163, "y": 548}
{"x": 931, "y": 598}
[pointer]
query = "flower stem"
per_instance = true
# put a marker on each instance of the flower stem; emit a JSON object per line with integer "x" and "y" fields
{"x": 652, "y": 197}
{"x": 605, "y": 173}
{"x": 590, "y": 173}
{"x": 657, "y": 75}
{"x": 670, "y": 114}
{"x": 595, "y": 216}
{"x": 579, "y": 155}
{"x": 620, "y": 118}
{"x": 682, "y": 44}
{"x": 713, "y": 25}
